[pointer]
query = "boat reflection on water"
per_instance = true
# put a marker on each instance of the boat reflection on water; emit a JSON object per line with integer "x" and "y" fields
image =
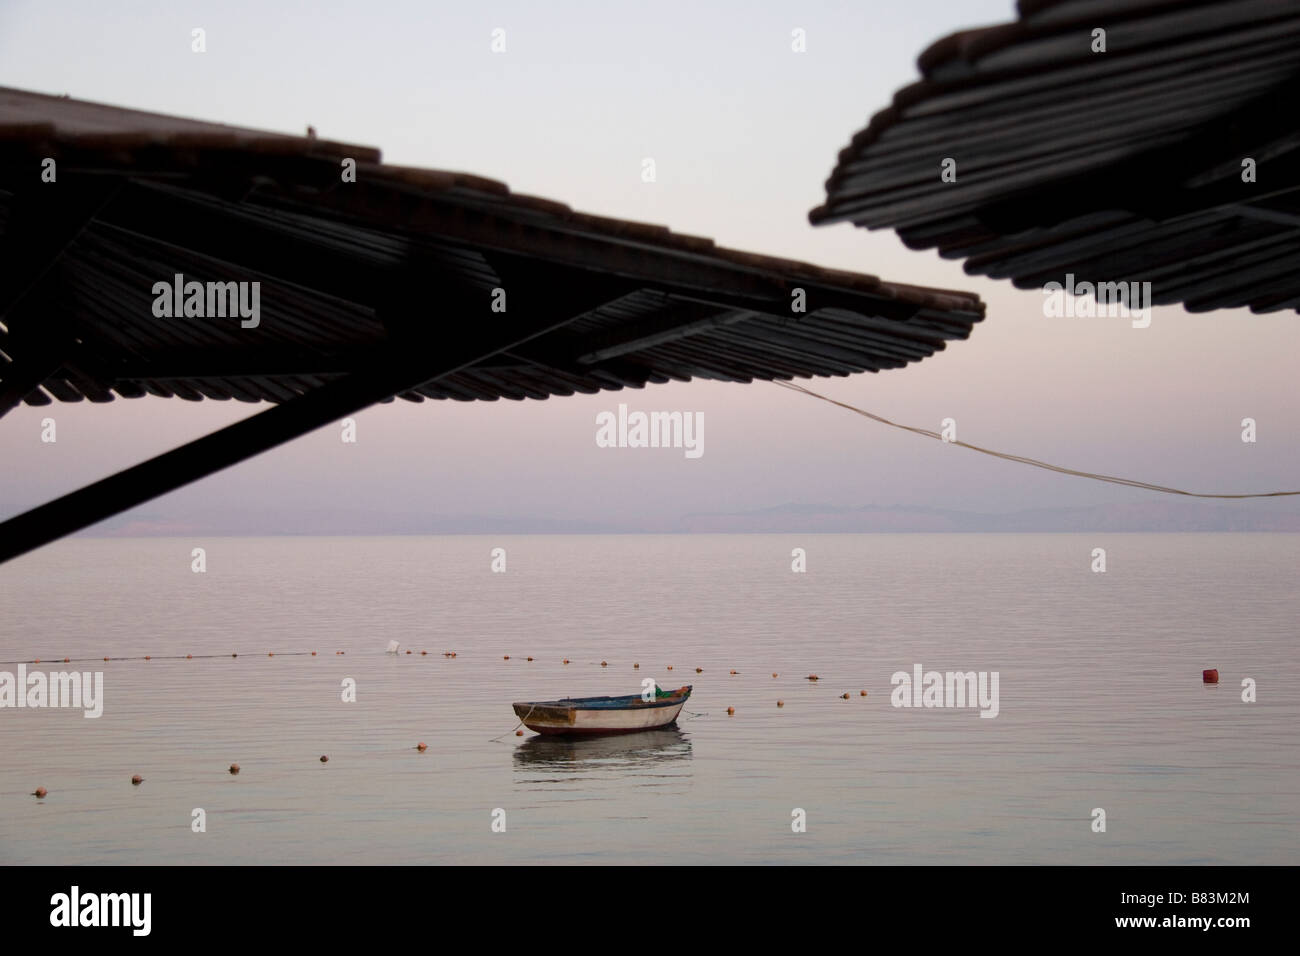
{"x": 646, "y": 753}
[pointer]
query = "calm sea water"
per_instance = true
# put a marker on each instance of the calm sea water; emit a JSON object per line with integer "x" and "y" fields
{"x": 1101, "y": 700}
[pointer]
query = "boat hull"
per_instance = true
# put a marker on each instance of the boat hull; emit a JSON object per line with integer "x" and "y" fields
{"x": 600, "y": 716}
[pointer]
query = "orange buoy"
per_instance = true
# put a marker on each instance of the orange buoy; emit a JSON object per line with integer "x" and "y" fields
{"x": 1210, "y": 676}
{"x": 636, "y": 667}
{"x": 105, "y": 658}
{"x": 39, "y": 793}
{"x": 735, "y": 672}
{"x": 566, "y": 660}
{"x": 670, "y": 666}
{"x": 137, "y": 780}
{"x": 324, "y": 759}
{"x": 528, "y": 658}
{"x": 37, "y": 661}
{"x": 313, "y": 653}
{"x": 844, "y": 696}
{"x": 234, "y": 655}
{"x": 813, "y": 677}
{"x": 506, "y": 657}
{"x": 604, "y": 664}
{"x": 408, "y": 652}
{"x": 234, "y": 768}
{"x": 699, "y": 670}
{"x": 270, "y": 655}
{"x": 423, "y": 653}
{"x": 66, "y": 661}
{"x": 189, "y": 657}
{"x": 780, "y": 703}
{"x": 422, "y": 746}
{"x": 773, "y": 673}
{"x": 862, "y": 693}
{"x": 519, "y": 733}
{"x": 146, "y": 657}
{"x": 731, "y": 711}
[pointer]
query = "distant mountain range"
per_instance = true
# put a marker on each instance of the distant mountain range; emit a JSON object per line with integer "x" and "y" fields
{"x": 1150, "y": 516}
{"x": 1154, "y": 516}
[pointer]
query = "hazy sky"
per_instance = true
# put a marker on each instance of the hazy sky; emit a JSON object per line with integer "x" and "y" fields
{"x": 744, "y": 133}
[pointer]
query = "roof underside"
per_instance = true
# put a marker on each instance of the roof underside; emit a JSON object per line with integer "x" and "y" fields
{"x": 348, "y": 269}
{"x": 1117, "y": 166}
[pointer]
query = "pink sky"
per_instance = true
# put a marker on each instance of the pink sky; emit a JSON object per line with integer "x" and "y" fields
{"x": 743, "y": 133}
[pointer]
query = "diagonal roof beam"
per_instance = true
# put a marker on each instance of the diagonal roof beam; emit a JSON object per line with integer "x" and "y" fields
{"x": 193, "y": 223}
{"x": 405, "y": 367}
{"x": 733, "y": 282}
{"x": 668, "y": 329}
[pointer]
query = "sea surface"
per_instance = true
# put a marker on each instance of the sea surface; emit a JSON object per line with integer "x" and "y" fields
{"x": 1101, "y": 702}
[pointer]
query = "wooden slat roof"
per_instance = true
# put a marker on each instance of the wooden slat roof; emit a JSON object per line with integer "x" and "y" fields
{"x": 1116, "y": 166}
{"x": 161, "y": 195}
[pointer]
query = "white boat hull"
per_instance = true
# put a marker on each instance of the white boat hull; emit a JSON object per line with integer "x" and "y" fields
{"x": 570, "y": 717}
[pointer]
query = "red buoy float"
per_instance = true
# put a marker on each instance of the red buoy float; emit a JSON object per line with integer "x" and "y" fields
{"x": 1210, "y": 676}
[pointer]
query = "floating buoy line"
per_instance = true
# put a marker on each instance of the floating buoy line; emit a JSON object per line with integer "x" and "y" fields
{"x": 421, "y": 747}
{"x": 1032, "y": 462}
{"x": 154, "y": 657}
{"x": 1208, "y": 676}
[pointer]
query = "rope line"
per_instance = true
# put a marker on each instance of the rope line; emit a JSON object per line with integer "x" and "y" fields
{"x": 493, "y": 740}
{"x": 154, "y": 657}
{"x": 1034, "y": 462}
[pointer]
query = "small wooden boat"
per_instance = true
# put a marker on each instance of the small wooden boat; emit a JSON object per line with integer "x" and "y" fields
{"x": 603, "y": 715}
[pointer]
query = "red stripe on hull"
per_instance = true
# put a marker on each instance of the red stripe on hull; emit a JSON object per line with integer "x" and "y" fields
{"x": 595, "y": 731}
